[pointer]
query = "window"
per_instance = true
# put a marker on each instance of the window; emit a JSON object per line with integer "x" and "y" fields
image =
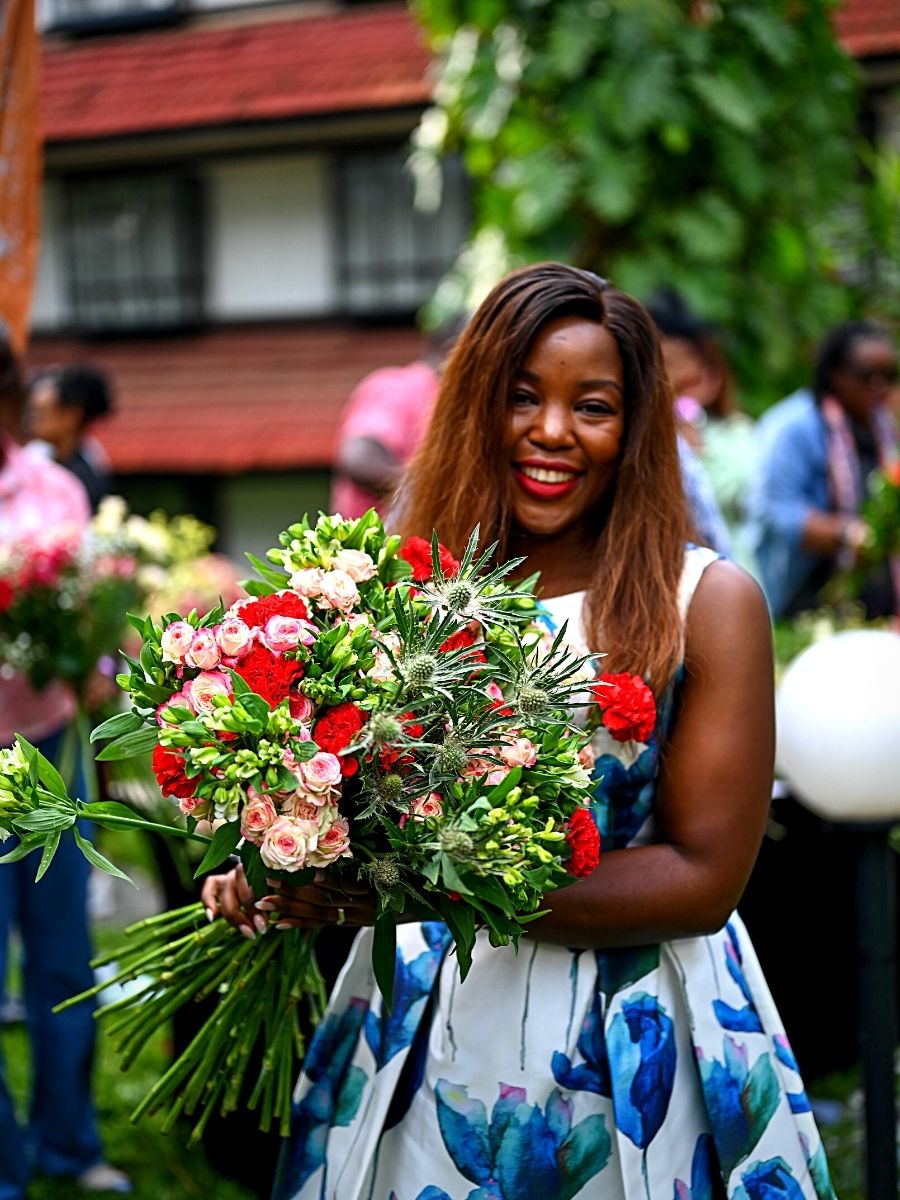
{"x": 390, "y": 255}
{"x": 87, "y": 16}
{"x": 132, "y": 252}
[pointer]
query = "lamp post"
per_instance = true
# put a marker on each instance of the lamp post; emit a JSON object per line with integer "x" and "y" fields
{"x": 838, "y": 712}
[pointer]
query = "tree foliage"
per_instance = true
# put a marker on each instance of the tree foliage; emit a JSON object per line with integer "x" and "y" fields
{"x": 692, "y": 143}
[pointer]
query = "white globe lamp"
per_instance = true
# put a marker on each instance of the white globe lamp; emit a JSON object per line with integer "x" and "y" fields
{"x": 838, "y": 721}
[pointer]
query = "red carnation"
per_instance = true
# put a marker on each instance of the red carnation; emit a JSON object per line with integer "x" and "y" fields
{"x": 417, "y": 552}
{"x": 459, "y": 640}
{"x": 628, "y": 707}
{"x": 256, "y": 613}
{"x": 269, "y": 675}
{"x": 337, "y": 729}
{"x": 583, "y": 839}
{"x": 168, "y": 767}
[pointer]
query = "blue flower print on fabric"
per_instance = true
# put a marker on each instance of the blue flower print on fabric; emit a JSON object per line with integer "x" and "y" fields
{"x": 389, "y": 1033}
{"x": 740, "y": 1101}
{"x": 641, "y": 1042}
{"x": 744, "y": 1019}
{"x": 704, "y": 1169}
{"x": 799, "y": 1101}
{"x": 769, "y": 1180}
{"x": 521, "y": 1152}
{"x": 332, "y": 1099}
{"x": 592, "y": 1074}
{"x": 818, "y": 1170}
{"x": 620, "y": 969}
{"x": 624, "y": 796}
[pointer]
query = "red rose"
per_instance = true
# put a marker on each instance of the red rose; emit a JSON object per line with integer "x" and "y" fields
{"x": 583, "y": 839}
{"x": 417, "y": 552}
{"x": 336, "y": 730}
{"x": 256, "y": 613}
{"x": 628, "y": 707}
{"x": 168, "y": 767}
{"x": 269, "y": 675}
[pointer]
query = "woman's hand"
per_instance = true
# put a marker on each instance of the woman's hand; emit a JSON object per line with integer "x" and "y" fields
{"x": 324, "y": 902}
{"x": 230, "y": 897}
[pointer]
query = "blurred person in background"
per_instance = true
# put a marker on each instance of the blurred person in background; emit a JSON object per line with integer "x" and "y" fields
{"x": 382, "y": 424}
{"x": 61, "y": 1138}
{"x": 817, "y": 449}
{"x": 710, "y": 419}
{"x": 63, "y": 404}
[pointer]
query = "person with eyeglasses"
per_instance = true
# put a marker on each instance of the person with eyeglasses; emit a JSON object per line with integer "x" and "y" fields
{"x": 817, "y": 449}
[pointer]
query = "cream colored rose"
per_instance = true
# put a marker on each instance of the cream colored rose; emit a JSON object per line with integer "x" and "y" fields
{"x": 308, "y": 581}
{"x": 333, "y": 841}
{"x": 235, "y": 637}
{"x": 321, "y": 773}
{"x": 519, "y": 753}
{"x": 204, "y": 651}
{"x": 288, "y": 842}
{"x": 338, "y": 591}
{"x": 176, "y": 641}
{"x": 358, "y": 565}
{"x": 258, "y": 815}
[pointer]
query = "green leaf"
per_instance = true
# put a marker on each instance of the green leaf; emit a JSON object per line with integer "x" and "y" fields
{"x": 51, "y": 778}
{"x": 451, "y": 877}
{"x": 107, "y": 808}
{"x": 125, "y": 722}
{"x": 25, "y": 846}
{"x": 130, "y": 745}
{"x": 42, "y": 820}
{"x": 278, "y": 579}
{"x": 224, "y": 842}
{"x": 504, "y": 787}
{"x": 384, "y": 957}
{"x": 96, "y": 859}
{"x": 50, "y": 848}
{"x": 460, "y": 919}
{"x": 725, "y": 100}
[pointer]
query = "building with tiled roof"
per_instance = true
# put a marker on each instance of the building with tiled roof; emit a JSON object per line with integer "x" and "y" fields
{"x": 228, "y": 228}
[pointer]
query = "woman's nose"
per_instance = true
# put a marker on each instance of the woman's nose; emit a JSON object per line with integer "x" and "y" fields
{"x": 552, "y": 425}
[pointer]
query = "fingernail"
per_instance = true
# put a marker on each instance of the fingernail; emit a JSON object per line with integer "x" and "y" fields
{"x": 284, "y": 925}
{"x": 247, "y": 932}
{"x": 264, "y": 905}
{"x": 210, "y": 915}
{"x": 260, "y": 923}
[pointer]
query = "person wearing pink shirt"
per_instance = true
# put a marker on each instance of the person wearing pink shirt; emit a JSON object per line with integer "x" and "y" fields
{"x": 383, "y": 423}
{"x": 61, "y": 1138}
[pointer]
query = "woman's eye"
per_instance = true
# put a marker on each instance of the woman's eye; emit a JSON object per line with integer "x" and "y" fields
{"x": 520, "y": 399}
{"x": 596, "y": 408}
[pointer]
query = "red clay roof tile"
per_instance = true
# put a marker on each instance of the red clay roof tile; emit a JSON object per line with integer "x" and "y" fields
{"x": 869, "y": 28}
{"x": 230, "y": 400}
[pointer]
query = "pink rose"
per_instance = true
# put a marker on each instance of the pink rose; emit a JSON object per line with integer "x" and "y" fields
{"x": 256, "y": 818}
{"x": 202, "y": 691}
{"x": 286, "y": 633}
{"x": 193, "y": 806}
{"x": 234, "y": 637}
{"x": 176, "y": 641}
{"x": 204, "y": 651}
{"x": 287, "y": 843}
{"x": 519, "y": 753}
{"x": 308, "y": 582}
{"x": 338, "y": 591}
{"x": 333, "y": 841}
{"x": 302, "y": 708}
{"x": 299, "y": 806}
{"x": 425, "y": 806}
{"x": 321, "y": 774}
{"x": 357, "y": 564}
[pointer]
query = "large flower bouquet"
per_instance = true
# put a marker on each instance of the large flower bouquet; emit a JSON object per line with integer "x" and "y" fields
{"x": 375, "y": 710}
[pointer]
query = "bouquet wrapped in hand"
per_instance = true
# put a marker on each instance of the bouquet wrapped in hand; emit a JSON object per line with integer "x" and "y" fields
{"x": 375, "y": 710}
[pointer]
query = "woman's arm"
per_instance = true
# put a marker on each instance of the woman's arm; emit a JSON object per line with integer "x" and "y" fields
{"x": 714, "y": 789}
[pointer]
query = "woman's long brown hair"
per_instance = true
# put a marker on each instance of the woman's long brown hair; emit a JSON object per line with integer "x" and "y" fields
{"x": 460, "y": 476}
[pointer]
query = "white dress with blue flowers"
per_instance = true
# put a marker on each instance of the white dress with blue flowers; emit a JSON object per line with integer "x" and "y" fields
{"x": 660, "y": 1072}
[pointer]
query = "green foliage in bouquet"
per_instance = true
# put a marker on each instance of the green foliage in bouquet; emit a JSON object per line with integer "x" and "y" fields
{"x": 375, "y": 710}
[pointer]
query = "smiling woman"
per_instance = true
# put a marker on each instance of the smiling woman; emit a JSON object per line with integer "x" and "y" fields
{"x": 630, "y": 1049}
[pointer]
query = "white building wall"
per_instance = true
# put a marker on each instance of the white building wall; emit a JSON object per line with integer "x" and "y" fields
{"x": 269, "y": 251}
{"x": 48, "y": 309}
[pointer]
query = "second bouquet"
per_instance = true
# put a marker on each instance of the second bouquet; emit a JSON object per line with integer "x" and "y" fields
{"x": 375, "y": 709}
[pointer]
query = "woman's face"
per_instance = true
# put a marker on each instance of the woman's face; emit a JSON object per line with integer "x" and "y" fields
{"x": 564, "y": 427}
{"x": 47, "y": 418}
{"x": 864, "y": 380}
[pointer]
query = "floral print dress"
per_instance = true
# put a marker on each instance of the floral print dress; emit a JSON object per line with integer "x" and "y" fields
{"x": 660, "y": 1072}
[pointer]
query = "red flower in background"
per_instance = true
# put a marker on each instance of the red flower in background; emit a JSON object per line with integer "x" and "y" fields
{"x": 6, "y": 594}
{"x": 417, "y": 552}
{"x": 389, "y": 756}
{"x": 337, "y": 729}
{"x": 628, "y": 707}
{"x": 583, "y": 839}
{"x": 256, "y": 613}
{"x": 269, "y": 675}
{"x": 168, "y": 767}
